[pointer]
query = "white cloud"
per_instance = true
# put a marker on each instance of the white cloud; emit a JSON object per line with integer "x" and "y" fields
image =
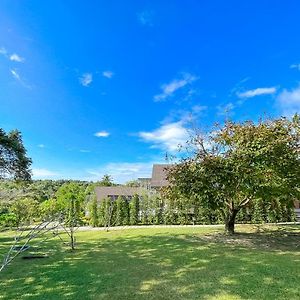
{"x": 295, "y": 66}
{"x": 43, "y": 173}
{"x": 17, "y": 77}
{"x": 167, "y": 137}
{"x": 195, "y": 113}
{"x": 185, "y": 115}
{"x": 225, "y": 110}
{"x": 41, "y": 146}
{"x": 257, "y": 92}
{"x": 108, "y": 74}
{"x": 122, "y": 172}
{"x": 199, "y": 109}
{"x": 170, "y": 88}
{"x": 16, "y": 57}
{"x": 102, "y": 134}
{"x": 238, "y": 86}
{"x": 86, "y": 79}
{"x": 84, "y": 151}
{"x": 15, "y": 74}
{"x": 289, "y": 101}
{"x": 146, "y": 17}
{"x": 3, "y": 51}
{"x": 13, "y": 57}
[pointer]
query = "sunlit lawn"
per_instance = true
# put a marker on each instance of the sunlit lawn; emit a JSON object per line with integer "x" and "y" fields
{"x": 161, "y": 263}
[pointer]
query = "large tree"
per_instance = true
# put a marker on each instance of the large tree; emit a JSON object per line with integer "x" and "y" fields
{"x": 14, "y": 162}
{"x": 239, "y": 163}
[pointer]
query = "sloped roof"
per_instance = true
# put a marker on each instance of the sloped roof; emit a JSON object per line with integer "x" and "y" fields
{"x": 159, "y": 175}
{"x": 104, "y": 191}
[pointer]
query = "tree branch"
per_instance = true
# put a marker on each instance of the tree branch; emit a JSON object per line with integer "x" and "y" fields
{"x": 244, "y": 202}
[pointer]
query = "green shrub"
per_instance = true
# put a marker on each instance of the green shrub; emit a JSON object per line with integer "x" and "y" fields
{"x": 94, "y": 218}
{"x": 121, "y": 212}
{"x": 8, "y": 220}
{"x": 134, "y": 209}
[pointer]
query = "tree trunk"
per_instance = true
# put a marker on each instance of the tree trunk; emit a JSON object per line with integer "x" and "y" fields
{"x": 72, "y": 223}
{"x": 230, "y": 221}
{"x": 72, "y": 239}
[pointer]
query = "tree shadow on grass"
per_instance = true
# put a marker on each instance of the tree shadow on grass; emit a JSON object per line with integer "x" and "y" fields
{"x": 5, "y": 239}
{"x": 285, "y": 238}
{"x": 163, "y": 266}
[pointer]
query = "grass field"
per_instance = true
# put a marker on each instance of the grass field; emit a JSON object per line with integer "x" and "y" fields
{"x": 161, "y": 263}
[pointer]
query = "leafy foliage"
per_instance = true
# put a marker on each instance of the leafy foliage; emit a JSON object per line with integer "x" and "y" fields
{"x": 94, "y": 218}
{"x": 25, "y": 210}
{"x": 244, "y": 162}
{"x": 70, "y": 198}
{"x": 134, "y": 208}
{"x": 106, "y": 180}
{"x": 13, "y": 160}
{"x": 122, "y": 212}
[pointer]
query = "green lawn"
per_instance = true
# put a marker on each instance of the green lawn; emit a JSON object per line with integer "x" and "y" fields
{"x": 161, "y": 263}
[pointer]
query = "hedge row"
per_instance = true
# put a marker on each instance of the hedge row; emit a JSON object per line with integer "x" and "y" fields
{"x": 144, "y": 211}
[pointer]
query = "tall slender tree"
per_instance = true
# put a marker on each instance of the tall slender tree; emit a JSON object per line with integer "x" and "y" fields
{"x": 134, "y": 208}
{"x": 94, "y": 218}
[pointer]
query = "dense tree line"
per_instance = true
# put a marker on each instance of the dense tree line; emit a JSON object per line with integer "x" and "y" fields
{"x": 41, "y": 199}
{"x": 44, "y": 198}
{"x": 150, "y": 209}
{"x": 29, "y": 201}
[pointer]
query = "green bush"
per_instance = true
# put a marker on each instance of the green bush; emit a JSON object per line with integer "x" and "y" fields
{"x": 8, "y": 220}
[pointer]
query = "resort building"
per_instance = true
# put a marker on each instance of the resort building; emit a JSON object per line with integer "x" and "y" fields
{"x": 157, "y": 181}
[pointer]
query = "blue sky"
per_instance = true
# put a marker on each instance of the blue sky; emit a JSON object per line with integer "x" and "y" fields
{"x": 101, "y": 87}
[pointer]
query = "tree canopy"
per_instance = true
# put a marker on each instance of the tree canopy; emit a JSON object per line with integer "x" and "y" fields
{"x": 106, "y": 180}
{"x": 239, "y": 163}
{"x": 14, "y": 162}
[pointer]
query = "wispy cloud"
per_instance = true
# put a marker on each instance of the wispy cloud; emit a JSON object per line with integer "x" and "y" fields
{"x": 43, "y": 173}
{"x": 86, "y": 79}
{"x": 102, "y": 134}
{"x": 122, "y": 172}
{"x": 225, "y": 110}
{"x": 16, "y": 57}
{"x": 41, "y": 146}
{"x": 170, "y": 88}
{"x": 13, "y": 57}
{"x": 146, "y": 17}
{"x": 288, "y": 101}
{"x": 196, "y": 109}
{"x": 295, "y": 66}
{"x": 84, "y": 151}
{"x": 17, "y": 77}
{"x": 15, "y": 74}
{"x": 108, "y": 74}
{"x": 185, "y": 115}
{"x": 167, "y": 137}
{"x": 257, "y": 92}
{"x": 3, "y": 51}
{"x": 237, "y": 87}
